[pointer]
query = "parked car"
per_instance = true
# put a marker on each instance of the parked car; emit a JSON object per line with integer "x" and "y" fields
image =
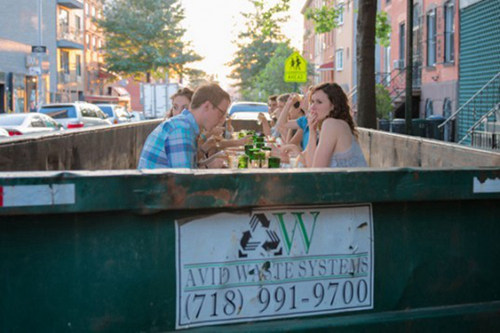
{"x": 76, "y": 114}
{"x": 137, "y": 116}
{"x": 117, "y": 114}
{"x": 27, "y": 123}
{"x": 248, "y": 110}
{"x": 3, "y": 133}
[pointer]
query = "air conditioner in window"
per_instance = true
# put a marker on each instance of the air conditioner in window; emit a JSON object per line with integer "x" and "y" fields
{"x": 398, "y": 64}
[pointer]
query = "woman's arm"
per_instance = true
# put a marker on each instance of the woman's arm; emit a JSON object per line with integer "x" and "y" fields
{"x": 266, "y": 129}
{"x": 283, "y": 123}
{"x": 328, "y": 138}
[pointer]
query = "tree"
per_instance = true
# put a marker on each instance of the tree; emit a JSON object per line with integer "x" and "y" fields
{"x": 270, "y": 81}
{"x": 145, "y": 37}
{"x": 258, "y": 42}
{"x": 365, "y": 62}
{"x": 198, "y": 77}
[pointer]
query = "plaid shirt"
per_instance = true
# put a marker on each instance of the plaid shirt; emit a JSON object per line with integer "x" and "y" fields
{"x": 172, "y": 144}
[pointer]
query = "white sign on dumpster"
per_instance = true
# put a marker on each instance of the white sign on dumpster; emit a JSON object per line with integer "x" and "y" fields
{"x": 271, "y": 264}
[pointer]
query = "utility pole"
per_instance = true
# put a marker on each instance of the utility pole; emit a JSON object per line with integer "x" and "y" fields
{"x": 409, "y": 66}
{"x": 39, "y": 99}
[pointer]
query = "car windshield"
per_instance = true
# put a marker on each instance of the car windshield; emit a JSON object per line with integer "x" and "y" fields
{"x": 59, "y": 112}
{"x": 121, "y": 112}
{"x": 248, "y": 107}
{"x": 107, "y": 110}
{"x": 12, "y": 120}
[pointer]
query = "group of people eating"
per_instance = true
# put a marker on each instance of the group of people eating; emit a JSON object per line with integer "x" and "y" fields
{"x": 314, "y": 130}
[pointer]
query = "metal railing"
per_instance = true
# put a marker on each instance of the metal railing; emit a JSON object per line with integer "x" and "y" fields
{"x": 394, "y": 81}
{"x": 486, "y": 140}
{"x": 489, "y": 137}
{"x": 69, "y": 33}
{"x": 472, "y": 111}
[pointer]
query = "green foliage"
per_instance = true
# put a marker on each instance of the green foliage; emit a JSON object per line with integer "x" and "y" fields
{"x": 383, "y": 101}
{"x": 324, "y": 18}
{"x": 198, "y": 77}
{"x": 145, "y": 37}
{"x": 383, "y": 29}
{"x": 258, "y": 42}
{"x": 269, "y": 80}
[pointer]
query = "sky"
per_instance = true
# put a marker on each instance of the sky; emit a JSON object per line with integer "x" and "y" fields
{"x": 212, "y": 26}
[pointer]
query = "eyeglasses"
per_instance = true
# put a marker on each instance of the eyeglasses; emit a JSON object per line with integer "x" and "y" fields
{"x": 222, "y": 112}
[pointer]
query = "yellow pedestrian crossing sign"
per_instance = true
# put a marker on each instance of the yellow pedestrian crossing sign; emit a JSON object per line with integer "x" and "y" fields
{"x": 295, "y": 68}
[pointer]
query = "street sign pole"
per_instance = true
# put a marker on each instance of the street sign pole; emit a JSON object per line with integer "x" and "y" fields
{"x": 39, "y": 98}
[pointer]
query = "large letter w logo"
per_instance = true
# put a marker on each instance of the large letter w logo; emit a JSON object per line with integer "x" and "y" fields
{"x": 307, "y": 238}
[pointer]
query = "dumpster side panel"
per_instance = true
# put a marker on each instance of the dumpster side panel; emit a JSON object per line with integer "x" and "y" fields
{"x": 434, "y": 268}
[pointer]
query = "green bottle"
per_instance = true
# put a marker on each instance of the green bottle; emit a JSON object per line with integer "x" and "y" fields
{"x": 243, "y": 162}
{"x": 274, "y": 162}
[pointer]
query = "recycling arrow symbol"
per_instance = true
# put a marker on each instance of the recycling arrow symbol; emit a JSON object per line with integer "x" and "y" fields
{"x": 255, "y": 238}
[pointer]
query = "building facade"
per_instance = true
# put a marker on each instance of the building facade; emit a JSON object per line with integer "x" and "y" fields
{"x": 95, "y": 76}
{"x": 435, "y": 53}
{"x": 70, "y": 65}
{"x": 479, "y": 72}
{"x": 333, "y": 53}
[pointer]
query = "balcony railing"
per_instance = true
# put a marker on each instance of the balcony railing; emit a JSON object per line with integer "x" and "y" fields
{"x": 70, "y": 34}
{"x": 64, "y": 77}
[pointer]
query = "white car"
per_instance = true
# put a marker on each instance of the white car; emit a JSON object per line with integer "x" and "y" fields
{"x": 28, "y": 123}
{"x": 76, "y": 115}
{"x": 4, "y": 133}
{"x": 248, "y": 110}
{"x": 117, "y": 114}
{"x": 137, "y": 116}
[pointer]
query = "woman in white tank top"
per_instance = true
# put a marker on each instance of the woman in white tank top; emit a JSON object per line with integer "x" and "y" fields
{"x": 330, "y": 119}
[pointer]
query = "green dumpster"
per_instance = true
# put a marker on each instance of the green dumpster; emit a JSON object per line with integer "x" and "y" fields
{"x": 434, "y": 131}
{"x": 398, "y": 126}
{"x": 419, "y": 127}
{"x": 384, "y": 125}
{"x": 332, "y": 250}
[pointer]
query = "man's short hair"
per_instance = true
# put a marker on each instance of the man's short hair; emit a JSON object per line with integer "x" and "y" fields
{"x": 210, "y": 92}
{"x": 283, "y": 98}
{"x": 273, "y": 98}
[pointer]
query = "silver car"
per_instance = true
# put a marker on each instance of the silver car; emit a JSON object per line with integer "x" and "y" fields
{"x": 76, "y": 115}
{"x": 117, "y": 114}
{"x": 28, "y": 123}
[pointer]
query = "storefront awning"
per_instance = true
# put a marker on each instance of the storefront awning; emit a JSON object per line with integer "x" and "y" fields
{"x": 327, "y": 66}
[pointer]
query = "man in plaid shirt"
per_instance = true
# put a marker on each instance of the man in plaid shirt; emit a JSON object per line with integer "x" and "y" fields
{"x": 173, "y": 143}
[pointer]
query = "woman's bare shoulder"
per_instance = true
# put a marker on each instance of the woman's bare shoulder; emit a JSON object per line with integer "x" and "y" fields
{"x": 333, "y": 123}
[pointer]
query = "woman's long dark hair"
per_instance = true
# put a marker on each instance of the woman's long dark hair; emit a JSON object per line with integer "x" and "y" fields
{"x": 338, "y": 98}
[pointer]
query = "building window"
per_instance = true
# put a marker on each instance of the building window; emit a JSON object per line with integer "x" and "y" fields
{"x": 78, "y": 65}
{"x": 402, "y": 40}
{"x": 429, "y": 108}
{"x": 86, "y": 9}
{"x": 431, "y": 38}
{"x": 65, "y": 62}
{"x": 78, "y": 23}
{"x": 87, "y": 39}
{"x": 416, "y": 16}
{"x": 93, "y": 11}
{"x": 64, "y": 20}
{"x": 340, "y": 18}
{"x": 449, "y": 32}
{"x": 93, "y": 42}
{"x": 339, "y": 59}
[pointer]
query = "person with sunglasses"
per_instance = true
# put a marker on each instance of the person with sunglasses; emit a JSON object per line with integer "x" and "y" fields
{"x": 174, "y": 143}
